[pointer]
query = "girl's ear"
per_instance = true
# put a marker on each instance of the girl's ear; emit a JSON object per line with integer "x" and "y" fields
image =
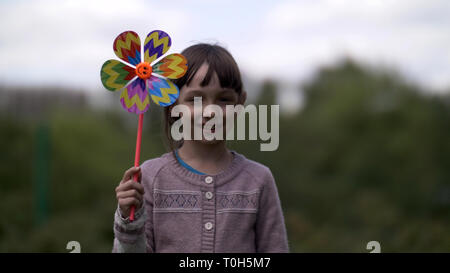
{"x": 242, "y": 97}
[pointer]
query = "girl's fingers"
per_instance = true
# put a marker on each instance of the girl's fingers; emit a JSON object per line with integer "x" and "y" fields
{"x": 130, "y": 173}
{"x": 130, "y": 193}
{"x": 127, "y": 202}
{"x": 129, "y": 185}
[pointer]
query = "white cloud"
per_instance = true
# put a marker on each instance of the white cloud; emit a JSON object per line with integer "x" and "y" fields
{"x": 66, "y": 42}
{"x": 298, "y": 36}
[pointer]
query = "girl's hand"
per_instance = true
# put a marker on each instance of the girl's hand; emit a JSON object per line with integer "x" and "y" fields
{"x": 129, "y": 193}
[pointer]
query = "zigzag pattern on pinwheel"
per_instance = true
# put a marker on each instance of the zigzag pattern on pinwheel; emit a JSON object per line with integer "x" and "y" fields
{"x": 128, "y": 48}
{"x": 135, "y": 100}
{"x": 172, "y": 67}
{"x": 175, "y": 67}
{"x": 116, "y": 75}
{"x": 136, "y": 59}
{"x": 165, "y": 96}
{"x": 156, "y": 44}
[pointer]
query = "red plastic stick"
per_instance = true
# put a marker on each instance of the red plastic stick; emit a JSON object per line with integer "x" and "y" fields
{"x": 137, "y": 157}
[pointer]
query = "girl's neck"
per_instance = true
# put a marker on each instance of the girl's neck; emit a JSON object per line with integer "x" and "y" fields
{"x": 206, "y": 158}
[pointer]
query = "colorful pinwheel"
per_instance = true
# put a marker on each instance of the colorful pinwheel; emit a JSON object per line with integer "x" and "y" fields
{"x": 135, "y": 97}
{"x": 139, "y": 79}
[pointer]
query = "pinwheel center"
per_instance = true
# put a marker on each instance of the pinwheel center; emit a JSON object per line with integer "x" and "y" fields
{"x": 144, "y": 70}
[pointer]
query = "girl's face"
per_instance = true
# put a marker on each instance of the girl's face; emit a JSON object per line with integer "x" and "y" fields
{"x": 210, "y": 94}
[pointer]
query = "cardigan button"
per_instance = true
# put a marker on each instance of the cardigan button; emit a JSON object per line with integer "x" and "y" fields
{"x": 208, "y": 226}
{"x": 208, "y": 180}
{"x": 208, "y": 195}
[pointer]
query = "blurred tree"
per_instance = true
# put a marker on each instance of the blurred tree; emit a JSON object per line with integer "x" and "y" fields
{"x": 268, "y": 93}
{"x": 364, "y": 160}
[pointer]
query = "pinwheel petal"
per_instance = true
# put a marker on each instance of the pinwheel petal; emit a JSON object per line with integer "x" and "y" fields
{"x": 135, "y": 98}
{"x": 163, "y": 92}
{"x": 156, "y": 44}
{"x": 127, "y": 47}
{"x": 115, "y": 74}
{"x": 173, "y": 66}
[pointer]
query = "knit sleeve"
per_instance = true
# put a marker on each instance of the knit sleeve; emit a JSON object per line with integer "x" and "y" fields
{"x": 270, "y": 226}
{"x": 129, "y": 236}
{"x": 137, "y": 236}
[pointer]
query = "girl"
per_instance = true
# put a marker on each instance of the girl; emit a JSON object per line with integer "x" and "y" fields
{"x": 201, "y": 196}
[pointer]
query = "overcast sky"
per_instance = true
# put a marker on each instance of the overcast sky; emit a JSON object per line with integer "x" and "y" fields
{"x": 66, "y": 42}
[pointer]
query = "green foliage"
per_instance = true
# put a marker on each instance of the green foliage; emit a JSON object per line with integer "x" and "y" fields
{"x": 366, "y": 159}
{"x": 89, "y": 153}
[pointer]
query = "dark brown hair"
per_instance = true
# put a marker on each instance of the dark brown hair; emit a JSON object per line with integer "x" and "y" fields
{"x": 219, "y": 61}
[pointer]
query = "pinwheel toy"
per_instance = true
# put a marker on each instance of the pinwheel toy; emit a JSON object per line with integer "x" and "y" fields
{"x": 139, "y": 80}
